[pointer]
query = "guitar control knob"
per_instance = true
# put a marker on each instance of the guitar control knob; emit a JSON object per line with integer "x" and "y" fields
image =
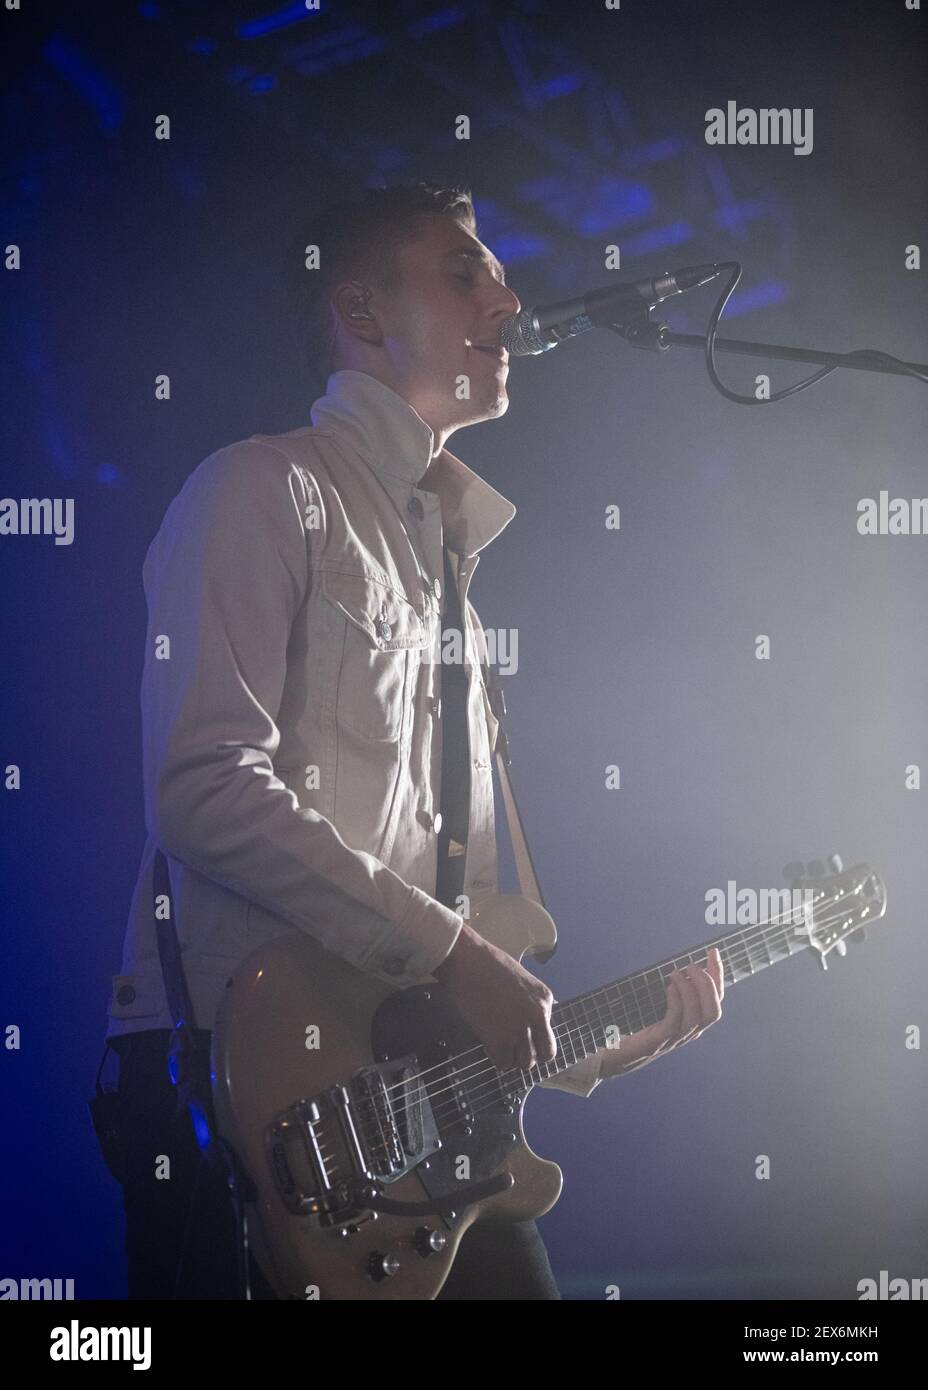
{"x": 429, "y": 1242}
{"x": 381, "y": 1266}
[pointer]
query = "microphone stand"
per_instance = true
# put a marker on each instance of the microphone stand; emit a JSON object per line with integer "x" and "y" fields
{"x": 639, "y": 330}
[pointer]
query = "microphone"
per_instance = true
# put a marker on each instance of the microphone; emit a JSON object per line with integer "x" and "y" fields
{"x": 543, "y": 327}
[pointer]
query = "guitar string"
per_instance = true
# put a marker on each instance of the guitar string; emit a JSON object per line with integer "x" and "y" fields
{"x": 495, "y": 1075}
{"x": 631, "y": 981}
{"x": 568, "y": 1030}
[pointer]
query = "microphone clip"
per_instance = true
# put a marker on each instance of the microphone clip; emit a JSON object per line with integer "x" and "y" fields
{"x": 638, "y": 329}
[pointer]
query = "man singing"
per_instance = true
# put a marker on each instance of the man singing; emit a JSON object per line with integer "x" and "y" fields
{"x": 308, "y": 767}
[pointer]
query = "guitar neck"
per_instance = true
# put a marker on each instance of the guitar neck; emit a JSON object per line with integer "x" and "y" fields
{"x": 821, "y": 911}
{"x": 602, "y": 1017}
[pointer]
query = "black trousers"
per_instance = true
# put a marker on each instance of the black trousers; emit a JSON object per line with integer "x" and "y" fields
{"x": 180, "y": 1232}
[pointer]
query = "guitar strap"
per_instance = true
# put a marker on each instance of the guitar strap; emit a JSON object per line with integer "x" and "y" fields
{"x": 175, "y": 983}
{"x": 188, "y": 1062}
{"x": 188, "y": 1048}
{"x": 190, "y": 1067}
{"x": 525, "y": 867}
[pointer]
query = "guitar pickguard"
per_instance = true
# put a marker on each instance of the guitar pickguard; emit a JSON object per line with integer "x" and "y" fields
{"x": 478, "y": 1126}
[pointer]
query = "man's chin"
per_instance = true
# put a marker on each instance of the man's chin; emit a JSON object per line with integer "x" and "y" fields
{"x": 497, "y": 406}
{"x": 491, "y": 408}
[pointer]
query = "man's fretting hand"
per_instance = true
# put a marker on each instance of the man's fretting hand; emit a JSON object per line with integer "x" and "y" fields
{"x": 694, "y": 1002}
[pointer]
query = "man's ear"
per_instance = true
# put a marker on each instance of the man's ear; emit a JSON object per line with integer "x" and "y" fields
{"x": 351, "y": 310}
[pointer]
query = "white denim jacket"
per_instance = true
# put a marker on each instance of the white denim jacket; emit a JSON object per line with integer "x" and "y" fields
{"x": 291, "y": 708}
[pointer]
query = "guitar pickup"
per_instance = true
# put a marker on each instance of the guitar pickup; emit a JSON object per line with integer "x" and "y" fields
{"x": 395, "y": 1117}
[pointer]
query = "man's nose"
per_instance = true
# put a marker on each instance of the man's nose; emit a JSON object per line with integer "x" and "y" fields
{"x": 507, "y": 304}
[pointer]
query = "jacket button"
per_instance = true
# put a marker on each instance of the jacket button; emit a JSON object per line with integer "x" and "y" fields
{"x": 436, "y": 588}
{"x": 125, "y": 995}
{"x": 415, "y": 508}
{"x": 435, "y": 706}
{"x": 385, "y": 630}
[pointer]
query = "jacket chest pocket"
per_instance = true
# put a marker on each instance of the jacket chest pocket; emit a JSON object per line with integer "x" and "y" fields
{"x": 383, "y": 640}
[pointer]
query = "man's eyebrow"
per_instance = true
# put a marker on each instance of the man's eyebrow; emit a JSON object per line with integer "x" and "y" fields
{"x": 473, "y": 253}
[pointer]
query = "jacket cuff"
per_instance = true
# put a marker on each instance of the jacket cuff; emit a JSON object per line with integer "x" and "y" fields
{"x": 421, "y": 940}
{"x": 581, "y": 1079}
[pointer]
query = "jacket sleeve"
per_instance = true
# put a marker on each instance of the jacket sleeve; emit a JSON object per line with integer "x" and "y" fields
{"x": 224, "y": 579}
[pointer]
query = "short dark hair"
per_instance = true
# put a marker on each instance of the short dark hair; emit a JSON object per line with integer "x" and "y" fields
{"x": 358, "y": 239}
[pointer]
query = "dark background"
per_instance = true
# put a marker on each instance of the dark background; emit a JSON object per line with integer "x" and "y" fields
{"x": 635, "y": 647}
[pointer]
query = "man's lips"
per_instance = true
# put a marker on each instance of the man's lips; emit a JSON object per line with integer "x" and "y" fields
{"x": 493, "y": 349}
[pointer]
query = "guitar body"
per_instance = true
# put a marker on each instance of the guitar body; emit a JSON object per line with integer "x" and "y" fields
{"x": 305, "y": 1233}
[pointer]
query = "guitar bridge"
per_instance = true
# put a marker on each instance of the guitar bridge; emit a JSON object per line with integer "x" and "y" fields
{"x": 376, "y": 1129}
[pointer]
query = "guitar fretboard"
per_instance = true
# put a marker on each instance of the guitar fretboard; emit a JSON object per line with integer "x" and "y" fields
{"x": 602, "y": 1017}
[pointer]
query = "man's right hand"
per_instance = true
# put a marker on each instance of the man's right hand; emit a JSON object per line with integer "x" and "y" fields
{"x": 508, "y": 1008}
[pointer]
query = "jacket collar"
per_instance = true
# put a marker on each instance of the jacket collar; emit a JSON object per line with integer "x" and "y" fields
{"x": 392, "y": 437}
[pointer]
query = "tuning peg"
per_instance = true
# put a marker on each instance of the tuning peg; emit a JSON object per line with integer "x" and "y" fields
{"x": 815, "y": 868}
{"x": 835, "y": 864}
{"x": 794, "y": 871}
{"x": 859, "y": 936}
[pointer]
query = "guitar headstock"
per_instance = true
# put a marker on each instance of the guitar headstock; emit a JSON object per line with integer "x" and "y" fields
{"x": 841, "y": 903}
